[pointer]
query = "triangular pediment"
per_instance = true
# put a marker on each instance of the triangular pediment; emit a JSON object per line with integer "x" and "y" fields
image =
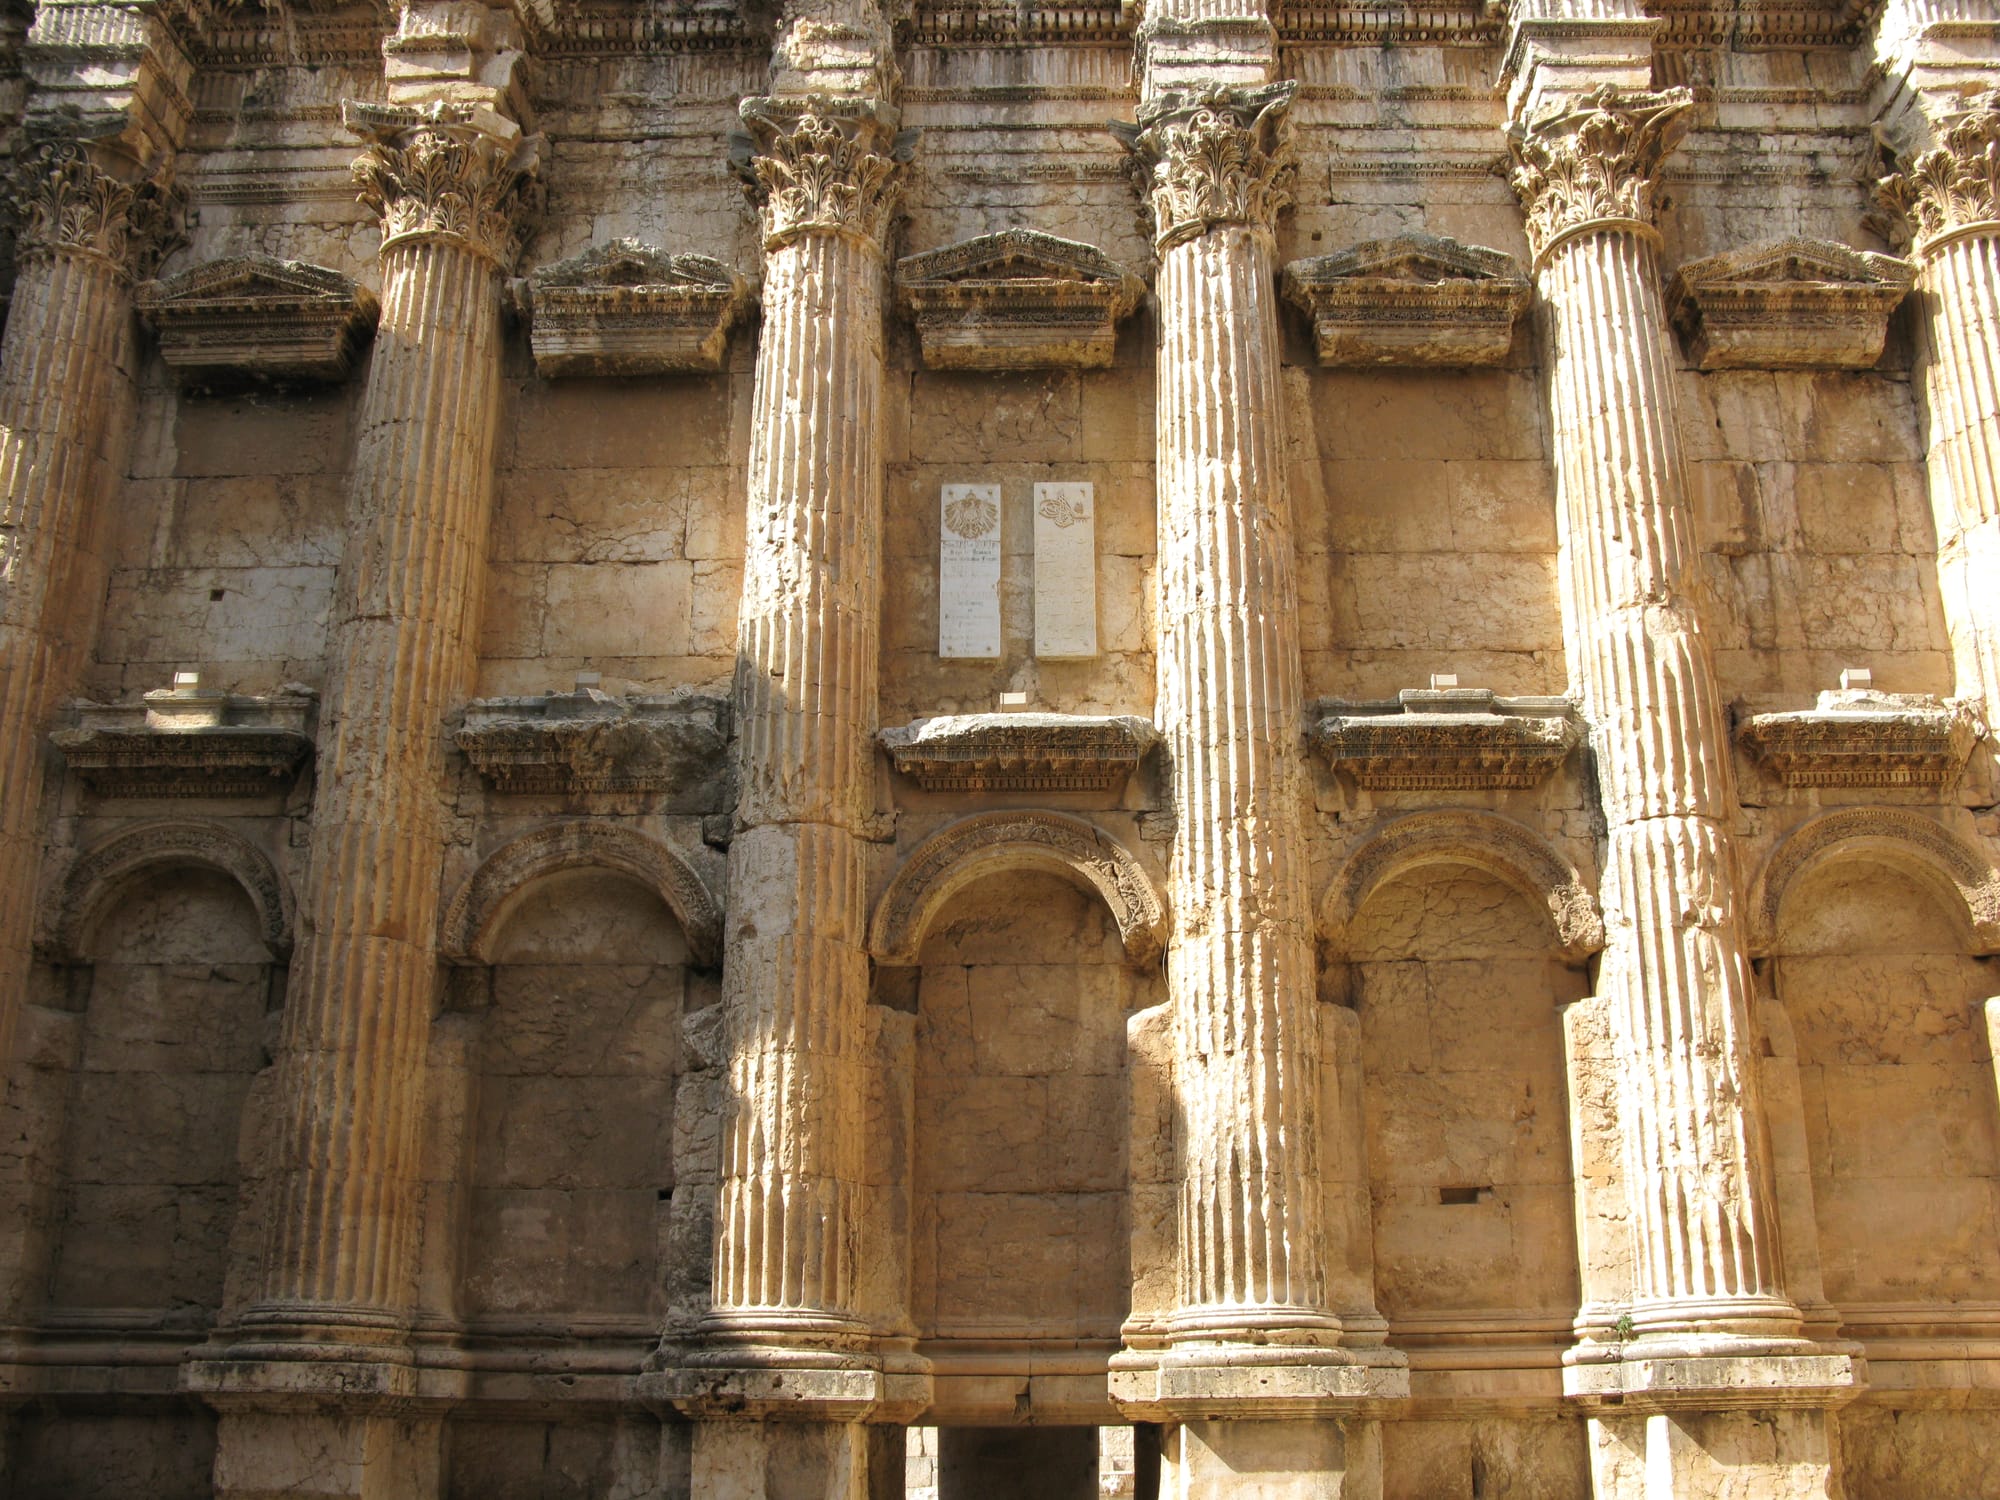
{"x": 250, "y": 278}
{"x": 1414, "y": 257}
{"x": 629, "y": 263}
{"x": 1010, "y": 255}
{"x": 1798, "y": 260}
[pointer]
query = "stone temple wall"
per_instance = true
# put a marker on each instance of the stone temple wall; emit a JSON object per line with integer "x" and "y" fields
{"x": 823, "y": 751}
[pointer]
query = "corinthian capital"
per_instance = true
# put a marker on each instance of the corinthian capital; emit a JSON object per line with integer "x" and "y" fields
{"x": 448, "y": 172}
{"x": 1214, "y": 156}
{"x": 1955, "y": 186}
{"x": 67, "y": 204}
{"x": 1592, "y": 162}
{"x": 819, "y": 165}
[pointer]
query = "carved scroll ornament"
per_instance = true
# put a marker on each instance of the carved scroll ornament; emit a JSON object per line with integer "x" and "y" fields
{"x": 447, "y": 172}
{"x": 1214, "y": 157}
{"x": 1592, "y": 162}
{"x": 65, "y": 203}
{"x": 819, "y": 165}
{"x": 1954, "y": 187}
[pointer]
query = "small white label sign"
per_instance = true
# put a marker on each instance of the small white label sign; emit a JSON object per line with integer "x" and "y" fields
{"x": 1065, "y": 571}
{"x": 969, "y": 570}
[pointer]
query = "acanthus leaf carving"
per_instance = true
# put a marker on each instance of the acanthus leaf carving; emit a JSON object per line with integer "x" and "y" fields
{"x": 447, "y": 171}
{"x": 822, "y": 165}
{"x": 1593, "y": 161}
{"x": 66, "y": 203}
{"x": 1954, "y": 186}
{"x": 1214, "y": 157}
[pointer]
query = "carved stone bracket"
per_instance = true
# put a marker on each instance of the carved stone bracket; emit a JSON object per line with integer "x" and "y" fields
{"x": 629, "y": 309}
{"x": 1213, "y": 157}
{"x": 589, "y": 741}
{"x": 1789, "y": 305}
{"x": 1019, "y": 752}
{"x": 1865, "y": 739}
{"x": 1590, "y": 163}
{"x": 1448, "y": 739}
{"x": 821, "y": 165}
{"x": 1016, "y": 300}
{"x": 254, "y": 316}
{"x": 1954, "y": 188}
{"x": 1414, "y": 299}
{"x": 65, "y": 202}
{"x": 183, "y": 742}
{"x": 455, "y": 172}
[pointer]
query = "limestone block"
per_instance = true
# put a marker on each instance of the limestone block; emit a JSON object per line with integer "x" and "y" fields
{"x": 315, "y": 1456}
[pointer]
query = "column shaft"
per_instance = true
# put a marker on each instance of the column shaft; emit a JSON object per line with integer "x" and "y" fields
{"x": 360, "y": 1002}
{"x": 61, "y": 387}
{"x": 1240, "y": 971}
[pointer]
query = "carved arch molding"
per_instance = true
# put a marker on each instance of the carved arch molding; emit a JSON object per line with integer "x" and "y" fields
{"x": 88, "y": 886}
{"x": 476, "y": 913}
{"x": 1956, "y": 872}
{"x": 989, "y": 843}
{"x": 1515, "y": 855}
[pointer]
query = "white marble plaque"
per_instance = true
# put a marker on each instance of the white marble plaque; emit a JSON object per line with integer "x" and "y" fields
{"x": 1065, "y": 571}
{"x": 969, "y": 570}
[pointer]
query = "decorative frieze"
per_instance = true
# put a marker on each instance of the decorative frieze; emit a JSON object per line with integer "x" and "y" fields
{"x": 590, "y": 741}
{"x": 65, "y": 203}
{"x": 256, "y": 316}
{"x": 1791, "y": 304}
{"x": 1861, "y": 738}
{"x": 1214, "y": 157}
{"x": 1016, "y": 300}
{"x": 821, "y": 164}
{"x": 1953, "y": 188}
{"x": 630, "y": 309}
{"x": 185, "y": 741}
{"x": 1413, "y": 299}
{"x": 1590, "y": 163}
{"x": 453, "y": 172}
{"x": 1458, "y": 739}
{"x": 1010, "y": 752}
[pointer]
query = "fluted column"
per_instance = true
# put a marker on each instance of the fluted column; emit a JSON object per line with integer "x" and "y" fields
{"x": 1674, "y": 967}
{"x": 451, "y": 195}
{"x": 795, "y": 967}
{"x": 63, "y": 383}
{"x": 1949, "y": 197}
{"x": 1240, "y": 968}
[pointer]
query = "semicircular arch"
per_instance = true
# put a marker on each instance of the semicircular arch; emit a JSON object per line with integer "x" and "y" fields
{"x": 89, "y": 885}
{"x": 1516, "y": 855}
{"x": 988, "y": 843}
{"x": 476, "y": 914}
{"x": 1957, "y": 873}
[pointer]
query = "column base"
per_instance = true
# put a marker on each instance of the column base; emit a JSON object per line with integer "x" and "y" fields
{"x": 1251, "y": 1382}
{"x": 796, "y": 1461}
{"x": 788, "y": 1385}
{"x": 328, "y": 1455}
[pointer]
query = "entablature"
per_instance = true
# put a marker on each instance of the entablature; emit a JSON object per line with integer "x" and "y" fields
{"x": 1856, "y": 737}
{"x": 588, "y": 740}
{"x": 187, "y": 741}
{"x": 1016, "y": 300}
{"x": 625, "y": 308}
{"x": 1788, "y": 305}
{"x": 1020, "y": 751}
{"x": 1412, "y": 299}
{"x": 259, "y": 318}
{"x": 1447, "y": 739}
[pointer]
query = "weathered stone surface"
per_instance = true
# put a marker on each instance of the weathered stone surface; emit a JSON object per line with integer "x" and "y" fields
{"x": 184, "y": 742}
{"x": 257, "y": 318}
{"x": 1017, "y": 751}
{"x": 589, "y": 741}
{"x": 1417, "y": 299}
{"x": 1016, "y": 300}
{"x": 629, "y": 309}
{"x": 1864, "y": 738}
{"x": 1448, "y": 738}
{"x": 1790, "y": 304}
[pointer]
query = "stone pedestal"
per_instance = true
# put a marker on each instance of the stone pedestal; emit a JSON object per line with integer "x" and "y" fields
{"x": 797, "y": 1461}
{"x": 340, "y": 1455}
{"x": 1330, "y": 1459}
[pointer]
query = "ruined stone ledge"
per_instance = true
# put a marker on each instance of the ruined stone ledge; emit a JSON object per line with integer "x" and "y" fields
{"x": 757, "y": 1393}
{"x": 1016, "y": 300}
{"x": 256, "y": 317}
{"x": 1447, "y": 739}
{"x": 589, "y": 741}
{"x": 1864, "y": 739}
{"x": 1250, "y": 1383}
{"x": 1790, "y": 305}
{"x": 629, "y": 309}
{"x": 1640, "y": 1384}
{"x": 181, "y": 742}
{"x": 1414, "y": 299}
{"x": 1019, "y": 752}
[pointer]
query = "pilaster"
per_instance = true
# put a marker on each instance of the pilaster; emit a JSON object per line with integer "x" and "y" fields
{"x": 453, "y": 183}
{"x": 1946, "y": 200}
{"x": 1708, "y": 1321}
{"x": 1249, "y": 1359}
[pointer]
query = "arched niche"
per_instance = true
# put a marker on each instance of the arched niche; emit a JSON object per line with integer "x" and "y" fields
{"x": 484, "y": 902}
{"x": 1959, "y": 876}
{"x": 1517, "y": 856}
{"x": 89, "y": 886}
{"x": 991, "y": 843}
